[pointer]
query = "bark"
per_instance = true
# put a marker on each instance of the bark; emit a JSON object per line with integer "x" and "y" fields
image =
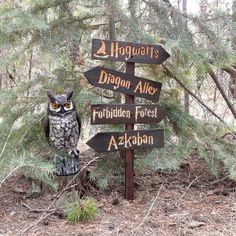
{"x": 30, "y": 70}
{"x": 169, "y": 73}
{"x": 112, "y": 27}
{"x": 233, "y": 37}
{"x": 232, "y": 82}
{"x": 186, "y": 94}
{"x": 1, "y": 80}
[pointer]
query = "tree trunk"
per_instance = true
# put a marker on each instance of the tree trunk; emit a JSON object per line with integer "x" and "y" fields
{"x": 223, "y": 93}
{"x": 186, "y": 94}
{"x": 232, "y": 82}
{"x": 30, "y": 70}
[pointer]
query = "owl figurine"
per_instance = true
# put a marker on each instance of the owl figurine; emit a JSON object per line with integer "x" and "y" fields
{"x": 62, "y": 129}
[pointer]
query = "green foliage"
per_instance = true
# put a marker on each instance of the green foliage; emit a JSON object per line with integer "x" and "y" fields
{"x": 47, "y": 45}
{"x": 81, "y": 210}
{"x": 110, "y": 168}
{"x": 186, "y": 135}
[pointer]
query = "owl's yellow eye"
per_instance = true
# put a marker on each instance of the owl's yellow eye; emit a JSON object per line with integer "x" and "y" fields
{"x": 68, "y": 104}
{"x": 55, "y": 105}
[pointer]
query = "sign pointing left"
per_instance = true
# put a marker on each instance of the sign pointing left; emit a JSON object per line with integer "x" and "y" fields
{"x": 128, "y": 140}
{"x": 124, "y": 83}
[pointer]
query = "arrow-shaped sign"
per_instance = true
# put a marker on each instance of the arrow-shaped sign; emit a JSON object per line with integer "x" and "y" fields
{"x": 126, "y": 114}
{"x": 128, "y": 52}
{"x": 128, "y": 140}
{"x": 124, "y": 83}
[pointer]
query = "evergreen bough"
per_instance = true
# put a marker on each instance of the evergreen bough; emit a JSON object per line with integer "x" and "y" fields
{"x": 47, "y": 44}
{"x": 84, "y": 210}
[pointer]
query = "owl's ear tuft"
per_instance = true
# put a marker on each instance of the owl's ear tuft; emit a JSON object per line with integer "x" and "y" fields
{"x": 69, "y": 94}
{"x": 51, "y": 96}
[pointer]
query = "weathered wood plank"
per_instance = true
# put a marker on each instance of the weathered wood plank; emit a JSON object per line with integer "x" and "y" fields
{"x": 128, "y": 52}
{"x": 126, "y": 114}
{"x": 124, "y": 83}
{"x": 128, "y": 140}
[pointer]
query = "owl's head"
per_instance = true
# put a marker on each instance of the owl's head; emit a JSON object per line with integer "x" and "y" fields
{"x": 60, "y": 104}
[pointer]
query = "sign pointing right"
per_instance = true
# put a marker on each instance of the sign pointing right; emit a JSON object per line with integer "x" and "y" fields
{"x": 126, "y": 114}
{"x": 128, "y": 52}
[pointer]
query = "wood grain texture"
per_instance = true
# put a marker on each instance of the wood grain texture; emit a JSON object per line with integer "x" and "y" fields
{"x": 126, "y": 114}
{"x": 128, "y": 52}
{"x": 128, "y": 140}
{"x": 124, "y": 83}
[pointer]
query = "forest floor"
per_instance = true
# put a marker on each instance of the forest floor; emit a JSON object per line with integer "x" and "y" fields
{"x": 183, "y": 203}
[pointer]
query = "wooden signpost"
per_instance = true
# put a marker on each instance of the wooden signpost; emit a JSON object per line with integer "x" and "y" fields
{"x": 127, "y": 113}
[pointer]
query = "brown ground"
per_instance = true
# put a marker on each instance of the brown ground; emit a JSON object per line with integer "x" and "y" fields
{"x": 187, "y": 202}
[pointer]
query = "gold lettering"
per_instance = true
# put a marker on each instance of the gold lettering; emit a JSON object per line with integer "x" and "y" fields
{"x": 156, "y": 54}
{"x": 137, "y": 112}
{"x": 112, "y": 78}
{"x": 152, "y": 90}
{"x": 127, "y": 141}
{"x": 113, "y": 143}
{"x": 121, "y": 140}
{"x": 116, "y": 50}
{"x": 128, "y": 50}
{"x": 150, "y": 140}
{"x": 136, "y": 51}
{"x": 139, "y": 87}
{"x": 103, "y": 77}
{"x": 143, "y": 51}
{"x": 94, "y": 114}
{"x": 121, "y": 51}
{"x": 151, "y": 53}
{"x": 145, "y": 139}
{"x": 112, "y": 49}
{"x": 117, "y": 82}
{"x": 139, "y": 140}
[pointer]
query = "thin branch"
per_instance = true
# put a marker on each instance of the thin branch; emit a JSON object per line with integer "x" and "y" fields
{"x": 9, "y": 174}
{"x": 230, "y": 70}
{"x": 5, "y": 144}
{"x": 188, "y": 187}
{"x": 219, "y": 180}
{"x": 12, "y": 78}
{"x": 37, "y": 210}
{"x": 223, "y": 93}
{"x": 168, "y": 72}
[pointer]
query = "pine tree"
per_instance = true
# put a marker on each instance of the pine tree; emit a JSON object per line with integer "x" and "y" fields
{"x": 47, "y": 45}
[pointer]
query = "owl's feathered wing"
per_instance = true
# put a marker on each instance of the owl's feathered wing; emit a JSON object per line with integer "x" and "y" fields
{"x": 47, "y": 129}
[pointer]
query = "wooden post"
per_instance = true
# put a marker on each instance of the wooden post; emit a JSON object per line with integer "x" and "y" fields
{"x": 129, "y": 154}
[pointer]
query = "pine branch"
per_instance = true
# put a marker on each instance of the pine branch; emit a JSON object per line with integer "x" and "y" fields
{"x": 47, "y": 4}
{"x": 230, "y": 70}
